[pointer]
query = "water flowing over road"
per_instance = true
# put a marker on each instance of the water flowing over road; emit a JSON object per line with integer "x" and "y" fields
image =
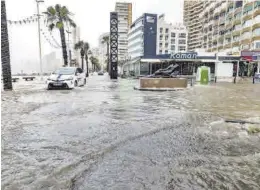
{"x": 108, "y": 136}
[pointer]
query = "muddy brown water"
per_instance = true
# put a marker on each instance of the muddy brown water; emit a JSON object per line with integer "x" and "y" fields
{"x": 108, "y": 136}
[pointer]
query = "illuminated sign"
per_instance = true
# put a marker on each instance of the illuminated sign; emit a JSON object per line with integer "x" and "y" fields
{"x": 192, "y": 55}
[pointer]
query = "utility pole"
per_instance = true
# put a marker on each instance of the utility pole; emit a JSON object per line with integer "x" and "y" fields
{"x": 39, "y": 35}
{"x": 69, "y": 32}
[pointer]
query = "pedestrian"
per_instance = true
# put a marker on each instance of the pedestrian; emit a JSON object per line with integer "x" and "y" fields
{"x": 255, "y": 70}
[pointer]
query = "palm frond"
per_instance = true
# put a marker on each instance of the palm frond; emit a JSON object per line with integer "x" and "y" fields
{"x": 51, "y": 10}
{"x": 86, "y": 46}
{"x": 79, "y": 45}
{"x": 59, "y": 25}
{"x": 57, "y": 7}
{"x": 51, "y": 26}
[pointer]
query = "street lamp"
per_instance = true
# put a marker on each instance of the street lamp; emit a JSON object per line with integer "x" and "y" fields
{"x": 69, "y": 32}
{"x": 39, "y": 34}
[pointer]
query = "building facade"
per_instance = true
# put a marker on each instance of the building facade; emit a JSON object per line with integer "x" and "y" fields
{"x": 124, "y": 11}
{"x": 75, "y": 54}
{"x": 142, "y": 38}
{"x": 231, "y": 26}
{"x": 171, "y": 38}
{"x": 191, "y": 19}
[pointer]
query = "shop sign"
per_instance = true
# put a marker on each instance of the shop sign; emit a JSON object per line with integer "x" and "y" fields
{"x": 183, "y": 56}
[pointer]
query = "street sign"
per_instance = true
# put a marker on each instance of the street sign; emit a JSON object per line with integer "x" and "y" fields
{"x": 192, "y": 55}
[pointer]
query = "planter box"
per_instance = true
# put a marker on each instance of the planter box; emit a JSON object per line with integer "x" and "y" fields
{"x": 163, "y": 83}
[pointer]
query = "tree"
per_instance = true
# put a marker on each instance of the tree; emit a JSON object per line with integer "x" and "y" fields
{"x": 106, "y": 41}
{"x": 56, "y": 17}
{"x": 95, "y": 63}
{"x": 83, "y": 47}
{"x": 5, "y": 52}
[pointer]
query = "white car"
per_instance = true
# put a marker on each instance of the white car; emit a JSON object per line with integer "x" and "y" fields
{"x": 66, "y": 77}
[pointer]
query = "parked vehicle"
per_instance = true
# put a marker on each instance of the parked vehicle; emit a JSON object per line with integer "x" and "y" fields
{"x": 66, "y": 77}
{"x": 257, "y": 78}
{"x": 100, "y": 73}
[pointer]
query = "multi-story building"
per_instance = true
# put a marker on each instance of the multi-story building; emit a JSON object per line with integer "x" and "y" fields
{"x": 142, "y": 36}
{"x": 102, "y": 47}
{"x": 231, "y": 26}
{"x": 75, "y": 54}
{"x": 124, "y": 11}
{"x": 171, "y": 38}
{"x": 192, "y": 21}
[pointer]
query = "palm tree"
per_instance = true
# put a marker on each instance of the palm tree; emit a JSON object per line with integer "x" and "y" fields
{"x": 95, "y": 63}
{"x": 5, "y": 53}
{"x": 106, "y": 40}
{"x": 56, "y": 17}
{"x": 84, "y": 48}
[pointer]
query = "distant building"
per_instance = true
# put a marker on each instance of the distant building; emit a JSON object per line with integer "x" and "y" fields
{"x": 102, "y": 48}
{"x": 75, "y": 53}
{"x": 50, "y": 62}
{"x": 142, "y": 36}
{"x": 171, "y": 38}
{"x": 192, "y": 11}
{"x": 124, "y": 11}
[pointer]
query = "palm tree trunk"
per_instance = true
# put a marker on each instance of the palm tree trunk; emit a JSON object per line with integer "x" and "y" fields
{"x": 86, "y": 57}
{"x": 82, "y": 63}
{"x": 5, "y": 53}
{"x": 64, "y": 47}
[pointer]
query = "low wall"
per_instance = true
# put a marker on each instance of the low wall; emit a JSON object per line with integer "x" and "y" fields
{"x": 163, "y": 83}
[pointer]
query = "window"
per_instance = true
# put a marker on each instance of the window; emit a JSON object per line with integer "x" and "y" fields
{"x": 182, "y": 35}
{"x": 182, "y": 41}
{"x": 166, "y": 51}
{"x": 161, "y": 30}
{"x": 172, "y": 41}
{"x": 160, "y": 51}
{"x": 256, "y": 32}
{"x": 173, "y": 47}
{"x": 167, "y": 30}
{"x": 166, "y": 37}
{"x": 161, "y": 37}
{"x": 160, "y": 44}
{"x": 166, "y": 45}
{"x": 173, "y": 35}
{"x": 182, "y": 48}
{"x": 257, "y": 45}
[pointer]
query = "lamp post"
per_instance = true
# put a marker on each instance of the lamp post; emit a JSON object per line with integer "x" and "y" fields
{"x": 39, "y": 35}
{"x": 69, "y": 32}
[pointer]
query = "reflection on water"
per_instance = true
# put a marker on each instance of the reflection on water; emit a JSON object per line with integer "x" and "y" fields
{"x": 108, "y": 136}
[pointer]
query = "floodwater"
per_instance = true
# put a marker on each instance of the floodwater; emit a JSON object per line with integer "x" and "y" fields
{"x": 108, "y": 136}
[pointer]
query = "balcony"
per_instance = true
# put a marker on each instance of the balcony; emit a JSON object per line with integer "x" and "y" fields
{"x": 246, "y": 29}
{"x": 236, "y": 21}
{"x": 236, "y": 32}
{"x": 256, "y": 37}
{"x": 256, "y": 12}
{"x": 227, "y": 45}
{"x": 256, "y": 25}
{"x": 237, "y": 10}
{"x": 237, "y": 43}
{"x": 245, "y": 41}
{"x": 247, "y": 16}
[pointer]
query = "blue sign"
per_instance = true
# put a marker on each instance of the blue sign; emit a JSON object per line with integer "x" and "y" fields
{"x": 192, "y": 55}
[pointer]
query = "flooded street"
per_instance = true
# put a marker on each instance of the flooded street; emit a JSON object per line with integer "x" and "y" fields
{"x": 108, "y": 136}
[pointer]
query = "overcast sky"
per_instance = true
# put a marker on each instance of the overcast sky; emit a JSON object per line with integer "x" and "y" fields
{"x": 92, "y": 16}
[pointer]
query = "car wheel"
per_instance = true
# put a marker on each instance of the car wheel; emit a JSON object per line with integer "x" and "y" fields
{"x": 75, "y": 83}
{"x": 49, "y": 87}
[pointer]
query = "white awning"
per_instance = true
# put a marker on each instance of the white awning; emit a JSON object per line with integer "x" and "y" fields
{"x": 150, "y": 60}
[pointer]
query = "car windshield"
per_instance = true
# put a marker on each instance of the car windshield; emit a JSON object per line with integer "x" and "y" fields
{"x": 64, "y": 71}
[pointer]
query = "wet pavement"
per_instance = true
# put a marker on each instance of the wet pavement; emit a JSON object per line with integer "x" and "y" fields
{"x": 108, "y": 136}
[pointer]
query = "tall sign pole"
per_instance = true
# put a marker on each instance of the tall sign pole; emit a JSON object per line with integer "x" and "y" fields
{"x": 113, "y": 45}
{"x": 39, "y": 35}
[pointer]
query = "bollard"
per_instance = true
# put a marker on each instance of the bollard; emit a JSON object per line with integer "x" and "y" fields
{"x": 235, "y": 78}
{"x": 191, "y": 84}
{"x": 253, "y": 80}
{"x": 215, "y": 79}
